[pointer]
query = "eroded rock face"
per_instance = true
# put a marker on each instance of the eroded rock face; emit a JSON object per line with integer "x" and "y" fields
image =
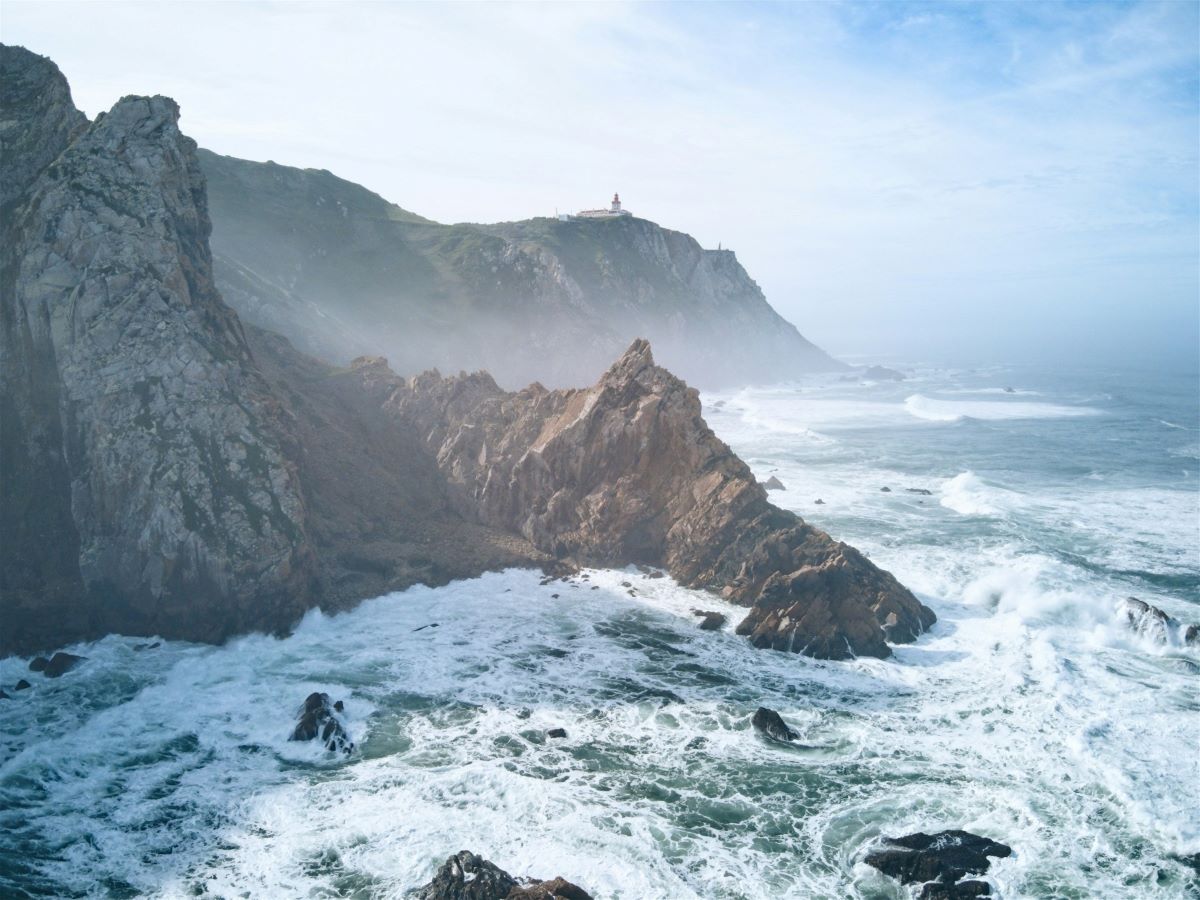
{"x": 172, "y": 503}
{"x": 466, "y": 876}
{"x": 627, "y": 471}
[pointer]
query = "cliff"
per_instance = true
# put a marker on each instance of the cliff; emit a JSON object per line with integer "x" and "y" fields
{"x": 341, "y": 272}
{"x": 165, "y": 470}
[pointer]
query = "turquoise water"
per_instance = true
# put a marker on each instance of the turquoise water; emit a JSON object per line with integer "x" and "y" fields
{"x": 1029, "y": 714}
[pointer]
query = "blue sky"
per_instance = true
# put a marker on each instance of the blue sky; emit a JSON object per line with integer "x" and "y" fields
{"x": 903, "y": 179}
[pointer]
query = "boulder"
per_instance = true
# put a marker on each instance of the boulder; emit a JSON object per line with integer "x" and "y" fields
{"x": 22, "y": 685}
{"x": 771, "y": 724}
{"x": 319, "y": 719}
{"x": 711, "y": 621}
{"x": 61, "y": 662}
{"x": 943, "y": 857}
{"x": 923, "y": 491}
{"x": 885, "y": 489}
{"x": 774, "y": 484}
{"x": 4, "y": 696}
{"x": 556, "y": 733}
{"x": 466, "y": 876}
{"x": 38, "y": 664}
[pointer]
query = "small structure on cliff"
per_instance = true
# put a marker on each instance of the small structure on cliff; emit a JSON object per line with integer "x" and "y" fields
{"x": 614, "y": 211}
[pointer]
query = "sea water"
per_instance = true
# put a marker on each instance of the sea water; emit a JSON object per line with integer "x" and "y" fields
{"x": 1022, "y": 506}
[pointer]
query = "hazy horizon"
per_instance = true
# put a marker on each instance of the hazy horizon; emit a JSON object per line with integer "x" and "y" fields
{"x": 906, "y": 180}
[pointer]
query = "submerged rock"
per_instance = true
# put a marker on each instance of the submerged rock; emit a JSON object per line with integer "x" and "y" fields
{"x": 22, "y": 685}
{"x": 1151, "y": 622}
{"x": 772, "y": 725}
{"x": 925, "y": 492}
{"x": 57, "y": 664}
{"x": 4, "y": 696}
{"x": 556, "y": 733}
{"x": 318, "y": 719}
{"x": 774, "y": 484}
{"x": 944, "y": 857}
{"x": 466, "y": 876}
{"x": 881, "y": 373}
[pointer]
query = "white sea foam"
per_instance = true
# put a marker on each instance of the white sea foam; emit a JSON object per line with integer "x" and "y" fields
{"x": 1023, "y": 715}
{"x": 937, "y": 410}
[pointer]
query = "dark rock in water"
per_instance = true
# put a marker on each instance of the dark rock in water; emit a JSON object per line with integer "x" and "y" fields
{"x": 22, "y": 685}
{"x": 340, "y": 706}
{"x": 140, "y": 647}
{"x": 466, "y": 876}
{"x": 317, "y": 719}
{"x": 4, "y": 696}
{"x": 820, "y": 502}
{"x": 59, "y": 663}
{"x": 881, "y": 373}
{"x": 772, "y": 725}
{"x": 946, "y": 856}
{"x": 885, "y": 489}
{"x": 922, "y": 491}
{"x": 557, "y": 733}
{"x": 1151, "y": 622}
{"x": 423, "y": 627}
{"x": 774, "y": 484}
{"x": 38, "y": 664}
{"x": 963, "y": 890}
{"x": 1009, "y": 390}
{"x": 712, "y": 620}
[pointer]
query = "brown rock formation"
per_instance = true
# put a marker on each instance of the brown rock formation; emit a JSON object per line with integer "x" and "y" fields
{"x": 628, "y": 472}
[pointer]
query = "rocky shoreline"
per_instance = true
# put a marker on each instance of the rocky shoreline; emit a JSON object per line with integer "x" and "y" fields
{"x": 170, "y": 472}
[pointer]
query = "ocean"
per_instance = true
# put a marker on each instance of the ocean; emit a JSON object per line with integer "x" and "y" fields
{"x": 1022, "y": 504}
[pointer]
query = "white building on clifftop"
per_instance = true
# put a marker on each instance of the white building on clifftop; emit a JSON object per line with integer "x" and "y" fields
{"x": 613, "y": 212}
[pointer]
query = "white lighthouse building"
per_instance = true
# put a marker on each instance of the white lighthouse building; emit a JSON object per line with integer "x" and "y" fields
{"x": 614, "y": 211}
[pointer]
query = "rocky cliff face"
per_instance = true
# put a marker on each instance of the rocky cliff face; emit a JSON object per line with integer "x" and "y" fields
{"x": 341, "y": 272}
{"x": 164, "y": 470}
{"x": 628, "y": 472}
{"x": 133, "y": 408}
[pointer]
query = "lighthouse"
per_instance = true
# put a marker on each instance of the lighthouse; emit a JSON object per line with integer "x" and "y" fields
{"x": 614, "y": 211}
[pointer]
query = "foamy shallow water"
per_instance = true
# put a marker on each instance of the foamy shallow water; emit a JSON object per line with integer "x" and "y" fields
{"x": 1028, "y": 714}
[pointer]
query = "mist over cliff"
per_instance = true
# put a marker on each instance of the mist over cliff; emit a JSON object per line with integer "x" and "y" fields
{"x": 342, "y": 272}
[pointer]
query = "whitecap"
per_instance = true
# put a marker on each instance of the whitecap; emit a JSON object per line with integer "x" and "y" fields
{"x": 935, "y": 410}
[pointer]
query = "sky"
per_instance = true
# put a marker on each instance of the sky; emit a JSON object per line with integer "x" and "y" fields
{"x": 907, "y": 181}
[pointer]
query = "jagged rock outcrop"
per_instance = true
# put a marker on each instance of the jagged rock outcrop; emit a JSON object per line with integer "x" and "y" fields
{"x": 1152, "y": 623}
{"x": 342, "y": 272}
{"x": 466, "y": 876}
{"x": 136, "y": 410}
{"x": 320, "y": 717}
{"x": 628, "y": 472}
